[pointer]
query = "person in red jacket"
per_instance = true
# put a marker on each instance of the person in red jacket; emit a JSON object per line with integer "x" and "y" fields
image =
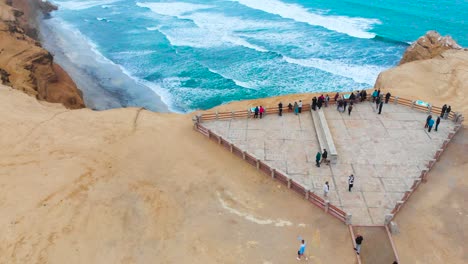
{"x": 262, "y": 110}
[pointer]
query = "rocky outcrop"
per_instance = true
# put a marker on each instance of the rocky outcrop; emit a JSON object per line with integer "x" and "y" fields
{"x": 429, "y": 46}
{"x": 30, "y": 68}
{"x": 440, "y": 80}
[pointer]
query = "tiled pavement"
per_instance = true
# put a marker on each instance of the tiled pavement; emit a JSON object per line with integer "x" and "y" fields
{"x": 386, "y": 153}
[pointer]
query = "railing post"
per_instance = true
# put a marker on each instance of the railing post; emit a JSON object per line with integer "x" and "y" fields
{"x": 327, "y": 206}
{"x": 412, "y": 104}
{"x": 439, "y": 153}
{"x": 231, "y": 147}
{"x": 395, "y": 100}
{"x": 249, "y": 113}
{"x": 258, "y": 164}
{"x": 289, "y": 183}
{"x": 209, "y": 133}
{"x": 307, "y": 194}
{"x": 348, "y": 219}
{"x": 388, "y": 218}
{"x": 243, "y": 154}
{"x": 216, "y": 115}
{"x": 219, "y": 139}
{"x": 273, "y": 173}
{"x": 424, "y": 175}
{"x": 429, "y": 108}
{"x": 232, "y": 114}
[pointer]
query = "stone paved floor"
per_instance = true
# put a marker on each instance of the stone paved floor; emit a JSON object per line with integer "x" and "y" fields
{"x": 384, "y": 152}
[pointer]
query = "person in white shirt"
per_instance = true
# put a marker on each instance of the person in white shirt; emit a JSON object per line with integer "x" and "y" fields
{"x": 350, "y": 182}
{"x": 326, "y": 189}
{"x": 300, "y": 106}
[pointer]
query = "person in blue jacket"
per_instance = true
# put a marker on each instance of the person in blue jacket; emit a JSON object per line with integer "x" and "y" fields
{"x": 431, "y": 124}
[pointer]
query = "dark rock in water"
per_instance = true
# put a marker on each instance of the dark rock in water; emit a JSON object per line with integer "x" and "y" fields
{"x": 429, "y": 46}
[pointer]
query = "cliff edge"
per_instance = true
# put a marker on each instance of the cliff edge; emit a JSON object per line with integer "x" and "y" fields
{"x": 440, "y": 80}
{"x": 26, "y": 66}
{"x": 429, "y": 46}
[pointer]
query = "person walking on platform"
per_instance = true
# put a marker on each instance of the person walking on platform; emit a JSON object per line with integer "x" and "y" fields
{"x": 431, "y": 123}
{"x": 350, "y": 108}
{"x": 326, "y": 189}
{"x": 429, "y": 117}
{"x": 358, "y": 241}
{"x": 314, "y": 103}
{"x": 380, "y": 107}
{"x": 317, "y": 159}
{"x": 437, "y": 123}
{"x": 350, "y": 182}
{"x": 280, "y": 109}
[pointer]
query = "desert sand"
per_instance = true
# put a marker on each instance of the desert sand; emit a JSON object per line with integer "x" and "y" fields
{"x": 132, "y": 186}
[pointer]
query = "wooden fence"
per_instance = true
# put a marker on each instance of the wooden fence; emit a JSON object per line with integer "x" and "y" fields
{"x": 275, "y": 110}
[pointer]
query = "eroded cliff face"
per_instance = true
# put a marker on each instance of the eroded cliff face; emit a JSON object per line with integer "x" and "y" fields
{"x": 26, "y": 66}
{"x": 429, "y": 46}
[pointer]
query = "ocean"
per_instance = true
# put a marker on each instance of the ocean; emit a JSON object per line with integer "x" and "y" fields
{"x": 191, "y": 54}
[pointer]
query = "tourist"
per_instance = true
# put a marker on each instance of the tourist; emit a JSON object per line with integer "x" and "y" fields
{"x": 380, "y": 107}
{"x": 350, "y": 182}
{"x": 317, "y": 159}
{"x": 358, "y": 97}
{"x": 449, "y": 108}
{"x": 431, "y": 123}
{"x": 296, "y": 108}
{"x": 358, "y": 240}
{"x": 364, "y": 95}
{"x": 336, "y": 96}
{"x": 378, "y": 93}
{"x": 350, "y": 108}
{"x": 374, "y": 95}
{"x": 429, "y": 117}
{"x": 340, "y": 106}
{"x": 352, "y": 97}
{"x": 314, "y": 103}
{"x": 324, "y": 157}
{"x": 345, "y": 103}
{"x": 377, "y": 102}
{"x": 444, "y": 108}
{"x": 280, "y": 109}
{"x": 327, "y": 99}
{"x": 437, "y": 123}
{"x": 320, "y": 101}
{"x": 387, "y": 97}
{"x": 290, "y": 107}
{"x": 299, "y": 105}
{"x": 256, "y": 112}
{"x": 262, "y": 110}
{"x": 301, "y": 250}
{"x": 326, "y": 189}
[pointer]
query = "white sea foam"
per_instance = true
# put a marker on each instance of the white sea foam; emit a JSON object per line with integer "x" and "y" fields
{"x": 80, "y": 5}
{"x": 361, "y": 74}
{"x": 352, "y": 26}
{"x": 175, "y": 9}
{"x": 210, "y": 30}
{"x": 248, "y": 85}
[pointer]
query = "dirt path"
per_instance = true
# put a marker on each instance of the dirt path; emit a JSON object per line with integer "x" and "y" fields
{"x": 376, "y": 247}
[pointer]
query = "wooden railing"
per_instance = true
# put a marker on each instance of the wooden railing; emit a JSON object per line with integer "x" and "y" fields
{"x": 276, "y": 174}
{"x": 275, "y": 110}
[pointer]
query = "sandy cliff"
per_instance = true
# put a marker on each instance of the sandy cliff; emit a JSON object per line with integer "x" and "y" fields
{"x": 27, "y": 67}
{"x": 440, "y": 80}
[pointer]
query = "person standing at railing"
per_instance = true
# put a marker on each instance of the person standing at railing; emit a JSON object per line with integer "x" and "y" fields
{"x": 296, "y": 108}
{"x": 256, "y": 112}
{"x": 299, "y": 105}
{"x": 336, "y": 96}
{"x": 290, "y": 107}
{"x": 447, "y": 112}
{"x": 261, "y": 110}
{"x": 387, "y": 97}
{"x": 363, "y": 95}
{"x": 374, "y": 95}
{"x": 314, "y": 103}
{"x": 327, "y": 99}
{"x": 280, "y": 109}
{"x": 429, "y": 117}
{"x": 442, "y": 113}
{"x": 324, "y": 157}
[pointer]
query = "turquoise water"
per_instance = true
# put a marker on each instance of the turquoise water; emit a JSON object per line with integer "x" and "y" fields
{"x": 199, "y": 54}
